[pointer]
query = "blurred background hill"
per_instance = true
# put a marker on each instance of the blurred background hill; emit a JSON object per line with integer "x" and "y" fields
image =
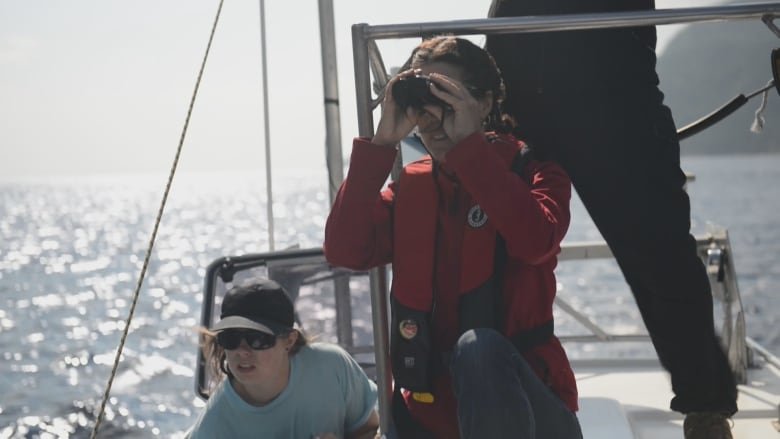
{"x": 706, "y": 65}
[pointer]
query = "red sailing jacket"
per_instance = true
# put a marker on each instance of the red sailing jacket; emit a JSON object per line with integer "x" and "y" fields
{"x": 532, "y": 219}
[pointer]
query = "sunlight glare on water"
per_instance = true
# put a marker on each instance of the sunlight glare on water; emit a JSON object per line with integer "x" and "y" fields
{"x": 72, "y": 252}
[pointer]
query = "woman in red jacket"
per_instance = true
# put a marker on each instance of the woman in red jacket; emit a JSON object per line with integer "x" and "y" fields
{"x": 472, "y": 232}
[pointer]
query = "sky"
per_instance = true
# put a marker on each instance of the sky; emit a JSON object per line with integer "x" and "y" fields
{"x": 103, "y": 86}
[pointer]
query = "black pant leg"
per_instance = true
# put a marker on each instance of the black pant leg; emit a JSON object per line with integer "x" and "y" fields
{"x": 590, "y": 101}
{"x": 636, "y": 199}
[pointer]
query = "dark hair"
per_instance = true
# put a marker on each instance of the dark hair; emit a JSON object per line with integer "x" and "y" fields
{"x": 480, "y": 72}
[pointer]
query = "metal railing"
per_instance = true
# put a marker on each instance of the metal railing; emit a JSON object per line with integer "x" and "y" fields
{"x": 366, "y": 58}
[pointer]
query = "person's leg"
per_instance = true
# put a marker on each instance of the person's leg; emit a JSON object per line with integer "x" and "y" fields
{"x": 638, "y": 202}
{"x": 500, "y": 396}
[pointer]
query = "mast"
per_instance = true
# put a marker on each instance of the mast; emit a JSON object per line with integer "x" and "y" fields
{"x": 333, "y": 156}
{"x": 330, "y": 86}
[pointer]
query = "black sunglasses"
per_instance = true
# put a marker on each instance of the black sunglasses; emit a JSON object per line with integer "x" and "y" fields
{"x": 231, "y": 339}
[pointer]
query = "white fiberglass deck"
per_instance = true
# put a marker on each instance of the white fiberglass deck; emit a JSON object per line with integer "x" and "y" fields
{"x": 629, "y": 399}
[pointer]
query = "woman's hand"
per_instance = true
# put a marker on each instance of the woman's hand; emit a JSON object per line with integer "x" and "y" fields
{"x": 395, "y": 122}
{"x": 467, "y": 113}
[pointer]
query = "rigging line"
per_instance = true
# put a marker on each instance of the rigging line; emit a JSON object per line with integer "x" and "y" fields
{"x": 763, "y": 89}
{"x": 155, "y": 229}
{"x": 758, "y": 122}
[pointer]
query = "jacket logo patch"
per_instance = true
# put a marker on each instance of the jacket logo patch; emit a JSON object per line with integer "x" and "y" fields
{"x": 408, "y": 329}
{"x": 477, "y": 217}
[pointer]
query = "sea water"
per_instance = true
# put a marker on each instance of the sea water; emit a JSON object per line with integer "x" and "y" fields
{"x": 72, "y": 250}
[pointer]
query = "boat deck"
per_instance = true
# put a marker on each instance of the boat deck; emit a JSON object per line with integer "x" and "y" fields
{"x": 629, "y": 399}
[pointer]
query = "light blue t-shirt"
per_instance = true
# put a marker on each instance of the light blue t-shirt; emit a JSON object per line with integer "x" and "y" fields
{"x": 328, "y": 392}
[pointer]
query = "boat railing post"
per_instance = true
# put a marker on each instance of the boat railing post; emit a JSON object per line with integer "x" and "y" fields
{"x": 737, "y": 347}
{"x": 378, "y": 276}
{"x": 334, "y": 160}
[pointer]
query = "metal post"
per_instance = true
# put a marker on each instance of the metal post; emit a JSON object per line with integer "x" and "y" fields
{"x": 330, "y": 86}
{"x": 333, "y": 155}
{"x": 378, "y": 276}
{"x": 267, "y": 132}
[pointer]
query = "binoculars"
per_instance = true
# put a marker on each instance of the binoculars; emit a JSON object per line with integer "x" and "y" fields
{"x": 415, "y": 92}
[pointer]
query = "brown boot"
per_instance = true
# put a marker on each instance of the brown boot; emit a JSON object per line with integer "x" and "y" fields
{"x": 707, "y": 425}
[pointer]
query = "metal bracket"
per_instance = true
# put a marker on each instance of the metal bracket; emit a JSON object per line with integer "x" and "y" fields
{"x": 768, "y": 20}
{"x": 715, "y": 263}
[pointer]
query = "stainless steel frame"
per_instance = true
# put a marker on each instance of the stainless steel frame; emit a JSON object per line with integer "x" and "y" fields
{"x": 366, "y": 59}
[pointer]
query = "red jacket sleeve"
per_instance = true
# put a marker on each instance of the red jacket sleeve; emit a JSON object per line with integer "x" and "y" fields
{"x": 358, "y": 233}
{"x": 532, "y": 219}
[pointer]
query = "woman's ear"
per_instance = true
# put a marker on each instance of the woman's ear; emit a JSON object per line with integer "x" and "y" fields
{"x": 292, "y": 337}
{"x": 486, "y": 105}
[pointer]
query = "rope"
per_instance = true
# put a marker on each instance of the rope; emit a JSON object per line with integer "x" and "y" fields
{"x": 154, "y": 231}
{"x": 758, "y": 122}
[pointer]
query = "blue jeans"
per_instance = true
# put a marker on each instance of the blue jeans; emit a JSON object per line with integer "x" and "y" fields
{"x": 500, "y": 396}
